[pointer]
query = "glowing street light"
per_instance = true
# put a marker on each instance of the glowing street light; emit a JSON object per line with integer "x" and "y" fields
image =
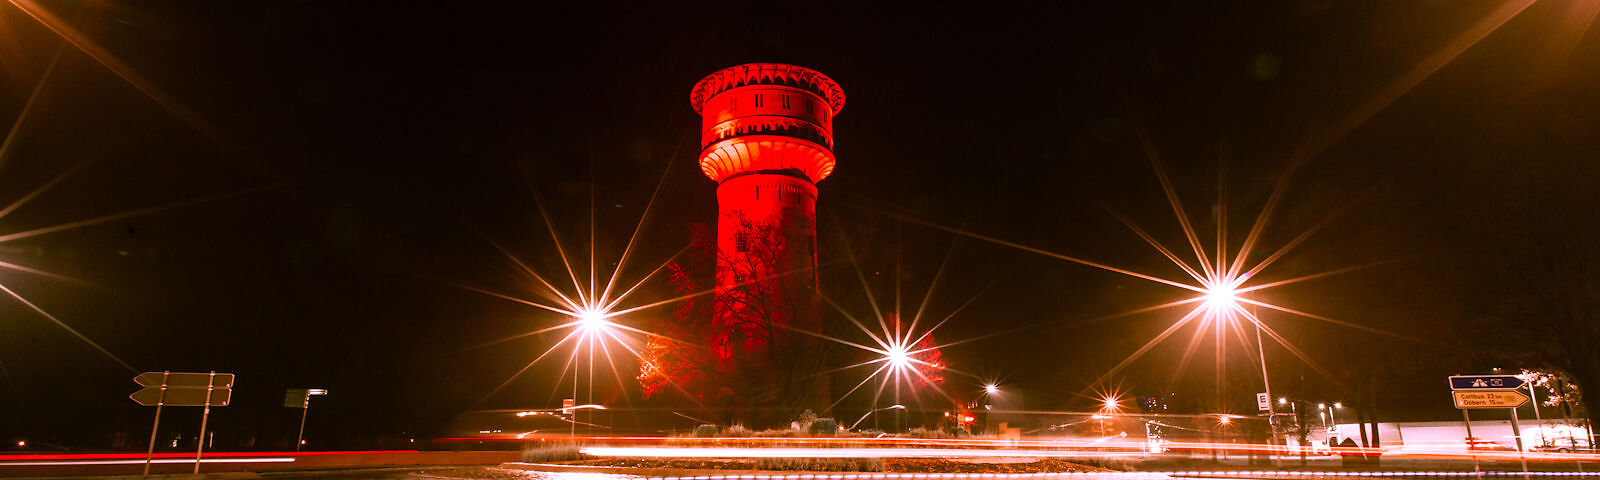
{"x": 1111, "y": 404}
{"x": 1333, "y": 413}
{"x": 991, "y": 389}
{"x": 1221, "y": 297}
{"x": 898, "y": 356}
{"x": 592, "y": 322}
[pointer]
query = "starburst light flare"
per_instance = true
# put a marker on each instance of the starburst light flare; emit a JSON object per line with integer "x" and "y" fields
{"x": 592, "y": 316}
{"x": 905, "y": 355}
{"x": 1223, "y": 293}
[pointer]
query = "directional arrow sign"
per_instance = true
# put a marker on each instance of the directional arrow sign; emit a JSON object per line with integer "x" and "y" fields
{"x": 184, "y": 379}
{"x": 182, "y": 397}
{"x": 1489, "y": 399}
{"x": 1485, "y": 382}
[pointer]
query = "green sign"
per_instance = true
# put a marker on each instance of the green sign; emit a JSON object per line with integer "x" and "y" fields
{"x": 297, "y": 398}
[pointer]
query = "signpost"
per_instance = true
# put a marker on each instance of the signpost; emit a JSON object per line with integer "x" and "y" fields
{"x": 181, "y": 397}
{"x": 1485, "y": 382}
{"x": 1489, "y": 391}
{"x": 184, "y": 380}
{"x": 301, "y": 398}
{"x": 1489, "y": 399}
{"x": 181, "y": 389}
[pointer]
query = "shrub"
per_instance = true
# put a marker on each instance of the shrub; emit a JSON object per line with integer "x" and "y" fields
{"x": 737, "y": 430}
{"x": 706, "y": 431}
{"x": 821, "y": 464}
{"x": 806, "y": 418}
{"x": 824, "y": 426}
{"x": 777, "y": 433}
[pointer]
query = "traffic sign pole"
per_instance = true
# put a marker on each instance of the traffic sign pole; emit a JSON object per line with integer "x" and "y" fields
{"x": 1537, "y": 417}
{"x": 151, "y": 453}
{"x": 200, "y": 442}
{"x": 1467, "y": 417}
{"x": 1516, "y": 430}
{"x": 300, "y": 439}
{"x": 1266, "y": 386}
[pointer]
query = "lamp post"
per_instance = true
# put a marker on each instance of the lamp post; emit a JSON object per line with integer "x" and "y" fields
{"x": 875, "y": 410}
{"x": 1266, "y": 385}
{"x": 1333, "y": 414}
{"x": 1294, "y": 412}
{"x": 990, "y": 391}
{"x": 1108, "y": 409}
{"x": 300, "y": 439}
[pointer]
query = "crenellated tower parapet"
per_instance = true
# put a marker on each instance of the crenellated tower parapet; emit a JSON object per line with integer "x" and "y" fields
{"x": 767, "y": 118}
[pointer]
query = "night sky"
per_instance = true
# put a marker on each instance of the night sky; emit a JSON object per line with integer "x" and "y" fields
{"x": 314, "y": 182}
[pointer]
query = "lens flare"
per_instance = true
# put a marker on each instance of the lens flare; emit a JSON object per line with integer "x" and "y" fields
{"x": 592, "y": 314}
{"x": 593, "y": 322}
{"x": 899, "y": 357}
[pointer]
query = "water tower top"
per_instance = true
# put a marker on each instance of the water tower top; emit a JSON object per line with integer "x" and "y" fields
{"x": 766, "y": 118}
{"x": 766, "y": 74}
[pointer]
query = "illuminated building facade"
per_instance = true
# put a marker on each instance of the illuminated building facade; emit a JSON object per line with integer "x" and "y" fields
{"x": 766, "y": 139}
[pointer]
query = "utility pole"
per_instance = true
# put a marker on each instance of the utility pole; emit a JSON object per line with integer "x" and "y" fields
{"x": 1272, "y": 415}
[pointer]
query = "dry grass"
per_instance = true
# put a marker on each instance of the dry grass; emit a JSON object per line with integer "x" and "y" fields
{"x": 551, "y": 452}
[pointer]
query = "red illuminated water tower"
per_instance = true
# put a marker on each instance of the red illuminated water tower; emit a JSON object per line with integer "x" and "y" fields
{"x": 766, "y": 139}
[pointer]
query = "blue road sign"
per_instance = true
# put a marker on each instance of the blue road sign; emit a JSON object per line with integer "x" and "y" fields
{"x": 1485, "y": 382}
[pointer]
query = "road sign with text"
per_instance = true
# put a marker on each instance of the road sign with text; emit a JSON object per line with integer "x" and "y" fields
{"x": 1263, "y": 402}
{"x": 1485, "y": 382}
{"x": 1489, "y": 398}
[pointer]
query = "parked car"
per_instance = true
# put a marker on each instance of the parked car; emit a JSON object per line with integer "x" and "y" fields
{"x": 1565, "y": 445}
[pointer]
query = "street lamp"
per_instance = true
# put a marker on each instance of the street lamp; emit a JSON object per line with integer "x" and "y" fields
{"x": 991, "y": 389}
{"x": 870, "y": 412}
{"x": 1322, "y": 413}
{"x": 1333, "y": 413}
